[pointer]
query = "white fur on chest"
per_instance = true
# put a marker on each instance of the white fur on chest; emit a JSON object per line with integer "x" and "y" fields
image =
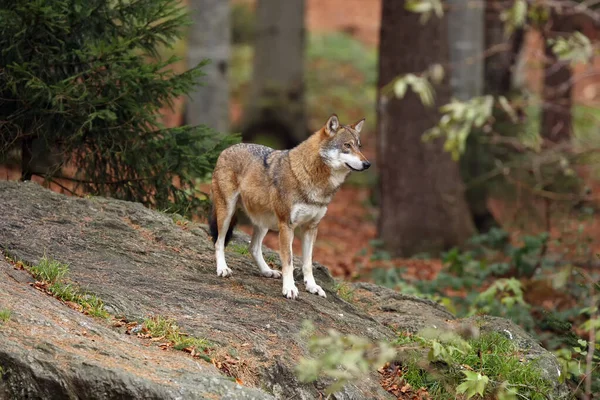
{"x": 337, "y": 178}
{"x": 307, "y": 213}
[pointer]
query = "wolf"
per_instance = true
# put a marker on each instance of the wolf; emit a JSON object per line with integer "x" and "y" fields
{"x": 284, "y": 191}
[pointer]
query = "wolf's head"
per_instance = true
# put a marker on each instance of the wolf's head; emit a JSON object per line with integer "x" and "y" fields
{"x": 340, "y": 147}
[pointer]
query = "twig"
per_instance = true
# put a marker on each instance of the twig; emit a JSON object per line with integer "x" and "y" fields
{"x": 64, "y": 187}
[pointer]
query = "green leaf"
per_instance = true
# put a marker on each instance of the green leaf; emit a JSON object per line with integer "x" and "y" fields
{"x": 575, "y": 48}
{"x": 474, "y": 383}
{"x": 426, "y": 8}
{"x": 400, "y": 88}
{"x": 515, "y": 16}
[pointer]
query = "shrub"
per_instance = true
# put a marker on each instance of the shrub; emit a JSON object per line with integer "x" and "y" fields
{"x": 81, "y": 85}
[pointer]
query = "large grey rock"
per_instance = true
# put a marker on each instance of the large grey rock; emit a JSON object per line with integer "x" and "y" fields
{"x": 141, "y": 263}
{"x": 49, "y": 351}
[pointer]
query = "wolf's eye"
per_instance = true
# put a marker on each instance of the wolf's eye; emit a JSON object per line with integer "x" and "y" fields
{"x": 347, "y": 145}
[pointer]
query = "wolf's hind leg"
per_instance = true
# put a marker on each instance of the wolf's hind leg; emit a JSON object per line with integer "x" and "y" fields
{"x": 224, "y": 208}
{"x": 308, "y": 239}
{"x": 258, "y": 234}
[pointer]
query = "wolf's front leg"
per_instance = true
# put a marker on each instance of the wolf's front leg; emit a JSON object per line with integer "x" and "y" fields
{"x": 286, "y": 237}
{"x": 308, "y": 239}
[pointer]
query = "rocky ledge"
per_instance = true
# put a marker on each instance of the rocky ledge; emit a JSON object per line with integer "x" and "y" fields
{"x": 142, "y": 263}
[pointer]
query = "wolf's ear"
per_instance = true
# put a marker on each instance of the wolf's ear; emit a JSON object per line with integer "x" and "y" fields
{"x": 332, "y": 125}
{"x": 358, "y": 125}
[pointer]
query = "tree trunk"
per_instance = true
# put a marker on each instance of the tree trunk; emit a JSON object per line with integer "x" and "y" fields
{"x": 276, "y": 103}
{"x": 498, "y": 71}
{"x": 466, "y": 38}
{"x": 423, "y": 208}
{"x": 26, "y": 156}
{"x": 500, "y": 63}
{"x": 557, "y": 100}
{"x": 466, "y": 42}
{"x": 210, "y": 38}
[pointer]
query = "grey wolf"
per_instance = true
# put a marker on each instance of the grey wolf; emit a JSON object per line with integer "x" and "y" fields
{"x": 284, "y": 191}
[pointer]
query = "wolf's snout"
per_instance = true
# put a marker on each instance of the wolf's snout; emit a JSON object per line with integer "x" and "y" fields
{"x": 366, "y": 164}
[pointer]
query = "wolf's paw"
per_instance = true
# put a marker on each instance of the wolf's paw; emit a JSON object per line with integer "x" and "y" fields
{"x": 224, "y": 272}
{"x": 313, "y": 288}
{"x": 271, "y": 273}
{"x": 290, "y": 291}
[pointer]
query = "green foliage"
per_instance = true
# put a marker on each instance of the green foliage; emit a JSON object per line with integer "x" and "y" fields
{"x": 271, "y": 258}
{"x": 489, "y": 279}
{"x": 515, "y": 17}
{"x": 49, "y": 270}
{"x": 485, "y": 365}
{"x": 457, "y": 121}
{"x": 341, "y": 358}
{"x": 345, "y": 291}
{"x": 426, "y": 8}
{"x": 167, "y": 328}
{"x": 83, "y": 80}
{"x": 474, "y": 383}
{"x": 421, "y": 84}
{"x": 5, "y": 314}
{"x": 241, "y": 249}
{"x": 508, "y": 291}
{"x": 575, "y": 48}
{"x": 476, "y": 277}
{"x": 53, "y": 275}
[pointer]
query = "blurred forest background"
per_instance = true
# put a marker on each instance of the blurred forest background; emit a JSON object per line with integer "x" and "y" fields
{"x": 483, "y": 125}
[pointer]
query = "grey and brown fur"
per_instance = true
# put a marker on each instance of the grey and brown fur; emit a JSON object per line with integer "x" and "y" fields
{"x": 283, "y": 191}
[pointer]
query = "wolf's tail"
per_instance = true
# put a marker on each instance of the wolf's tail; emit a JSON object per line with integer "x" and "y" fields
{"x": 214, "y": 228}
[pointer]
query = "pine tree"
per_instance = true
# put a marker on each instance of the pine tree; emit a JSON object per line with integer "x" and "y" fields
{"x": 81, "y": 84}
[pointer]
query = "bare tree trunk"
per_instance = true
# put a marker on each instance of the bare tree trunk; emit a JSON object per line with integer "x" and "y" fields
{"x": 423, "y": 208}
{"x": 210, "y": 38}
{"x": 26, "y": 157}
{"x": 276, "y": 103}
{"x": 466, "y": 42}
{"x": 500, "y": 63}
{"x": 466, "y": 38}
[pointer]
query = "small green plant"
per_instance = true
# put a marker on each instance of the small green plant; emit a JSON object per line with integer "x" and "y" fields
{"x": 52, "y": 275}
{"x": 345, "y": 291}
{"x": 5, "y": 314}
{"x": 474, "y": 281}
{"x": 167, "y": 328}
{"x": 508, "y": 292}
{"x": 241, "y": 249}
{"x": 487, "y": 365}
{"x": 271, "y": 258}
{"x": 341, "y": 358}
{"x": 48, "y": 270}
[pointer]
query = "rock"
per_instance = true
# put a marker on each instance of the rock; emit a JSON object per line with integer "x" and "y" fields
{"x": 399, "y": 311}
{"x": 49, "y": 351}
{"x": 142, "y": 263}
